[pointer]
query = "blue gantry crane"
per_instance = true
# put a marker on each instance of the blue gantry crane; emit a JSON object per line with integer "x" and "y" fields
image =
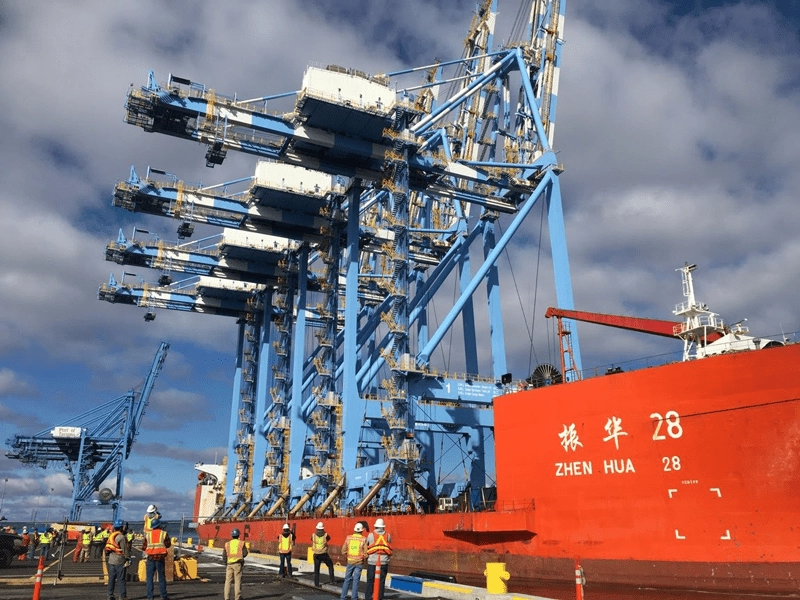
{"x": 352, "y": 255}
{"x": 94, "y": 445}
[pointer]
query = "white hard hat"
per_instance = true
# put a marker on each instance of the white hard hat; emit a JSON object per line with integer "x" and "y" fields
{"x": 358, "y": 528}
{"x": 152, "y": 508}
{"x": 286, "y": 526}
{"x": 24, "y": 530}
{"x": 379, "y": 524}
{"x": 320, "y": 525}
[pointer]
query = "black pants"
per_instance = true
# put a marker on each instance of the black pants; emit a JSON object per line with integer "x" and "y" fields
{"x": 320, "y": 559}
{"x": 371, "y": 580}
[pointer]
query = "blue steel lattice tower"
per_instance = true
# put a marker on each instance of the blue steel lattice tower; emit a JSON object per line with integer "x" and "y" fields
{"x": 370, "y": 198}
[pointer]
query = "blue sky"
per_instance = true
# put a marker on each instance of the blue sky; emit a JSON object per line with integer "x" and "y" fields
{"x": 677, "y": 124}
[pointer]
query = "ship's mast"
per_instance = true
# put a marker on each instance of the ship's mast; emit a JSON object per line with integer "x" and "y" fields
{"x": 700, "y": 323}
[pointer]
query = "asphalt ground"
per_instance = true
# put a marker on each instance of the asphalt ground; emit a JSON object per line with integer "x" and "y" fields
{"x": 261, "y": 580}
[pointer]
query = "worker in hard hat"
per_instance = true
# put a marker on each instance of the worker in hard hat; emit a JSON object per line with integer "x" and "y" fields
{"x": 353, "y": 548}
{"x": 152, "y": 513}
{"x": 26, "y": 542}
{"x": 118, "y": 559}
{"x": 34, "y": 543}
{"x": 86, "y": 543}
{"x": 98, "y": 542}
{"x": 319, "y": 548}
{"x": 378, "y": 549}
{"x": 285, "y": 546}
{"x": 233, "y": 556}
{"x": 156, "y": 545}
{"x": 45, "y": 540}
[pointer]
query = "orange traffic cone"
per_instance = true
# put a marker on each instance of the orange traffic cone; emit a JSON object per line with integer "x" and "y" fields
{"x": 376, "y": 586}
{"x": 37, "y": 587}
{"x": 578, "y": 580}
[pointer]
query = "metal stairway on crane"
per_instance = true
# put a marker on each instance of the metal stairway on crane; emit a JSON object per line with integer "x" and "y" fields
{"x": 382, "y": 197}
{"x": 94, "y": 445}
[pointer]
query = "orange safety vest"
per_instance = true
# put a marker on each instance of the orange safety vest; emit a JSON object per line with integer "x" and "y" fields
{"x": 380, "y": 546}
{"x": 285, "y": 543}
{"x": 355, "y": 548}
{"x": 155, "y": 543}
{"x": 234, "y": 551}
{"x": 112, "y": 545}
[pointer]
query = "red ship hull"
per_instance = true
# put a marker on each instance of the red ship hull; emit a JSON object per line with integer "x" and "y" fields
{"x": 680, "y": 476}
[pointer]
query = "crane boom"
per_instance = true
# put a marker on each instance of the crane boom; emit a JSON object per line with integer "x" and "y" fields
{"x": 92, "y": 445}
{"x": 651, "y": 326}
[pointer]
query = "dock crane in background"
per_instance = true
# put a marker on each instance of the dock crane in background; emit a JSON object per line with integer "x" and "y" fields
{"x": 373, "y": 195}
{"x": 92, "y": 445}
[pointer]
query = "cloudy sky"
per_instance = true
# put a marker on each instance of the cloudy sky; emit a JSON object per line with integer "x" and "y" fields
{"x": 678, "y": 125}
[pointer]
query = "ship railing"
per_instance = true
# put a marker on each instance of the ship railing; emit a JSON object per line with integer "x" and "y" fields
{"x": 516, "y": 504}
{"x": 632, "y": 365}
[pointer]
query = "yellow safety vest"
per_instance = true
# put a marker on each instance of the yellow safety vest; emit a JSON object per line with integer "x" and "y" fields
{"x": 148, "y": 520}
{"x": 355, "y": 548}
{"x": 319, "y": 543}
{"x": 45, "y": 538}
{"x": 234, "y": 551}
{"x": 86, "y": 539}
{"x": 285, "y": 543}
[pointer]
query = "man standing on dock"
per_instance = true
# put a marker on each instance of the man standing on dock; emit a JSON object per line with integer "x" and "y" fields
{"x": 319, "y": 547}
{"x": 378, "y": 549}
{"x": 151, "y": 514}
{"x": 233, "y": 556}
{"x": 155, "y": 545}
{"x": 353, "y": 548}
{"x": 285, "y": 546}
{"x": 45, "y": 540}
{"x": 118, "y": 557}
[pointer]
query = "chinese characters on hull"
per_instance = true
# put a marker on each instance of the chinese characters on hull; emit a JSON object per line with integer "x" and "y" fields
{"x": 570, "y": 441}
{"x": 664, "y": 428}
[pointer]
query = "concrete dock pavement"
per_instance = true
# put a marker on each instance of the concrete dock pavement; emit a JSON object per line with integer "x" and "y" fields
{"x": 260, "y": 580}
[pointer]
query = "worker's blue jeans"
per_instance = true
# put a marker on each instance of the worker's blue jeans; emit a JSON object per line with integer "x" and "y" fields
{"x": 352, "y": 576}
{"x": 116, "y": 573}
{"x": 285, "y": 561}
{"x": 156, "y": 566}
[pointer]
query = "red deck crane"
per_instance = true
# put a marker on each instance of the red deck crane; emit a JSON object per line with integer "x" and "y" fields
{"x": 669, "y": 329}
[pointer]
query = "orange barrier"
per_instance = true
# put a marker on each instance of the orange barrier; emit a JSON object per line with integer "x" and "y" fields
{"x": 37, "y": 587}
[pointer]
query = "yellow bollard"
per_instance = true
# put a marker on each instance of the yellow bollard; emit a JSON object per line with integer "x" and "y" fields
{"x": 310, "y": 556}
{"x": 210, "y": 543}
{"x": 189, "y": 541}
{"x": 496, "y": 577}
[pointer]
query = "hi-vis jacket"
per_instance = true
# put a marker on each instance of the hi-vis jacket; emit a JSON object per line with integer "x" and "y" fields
{"x": 235, "y": 551}
{"x": 113, "y": 543}
{"x": 156, "y": 544}
{"x": 354, "y": 546}
{"x": 319, "y": 543}
{"x": 285, "y": 543}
